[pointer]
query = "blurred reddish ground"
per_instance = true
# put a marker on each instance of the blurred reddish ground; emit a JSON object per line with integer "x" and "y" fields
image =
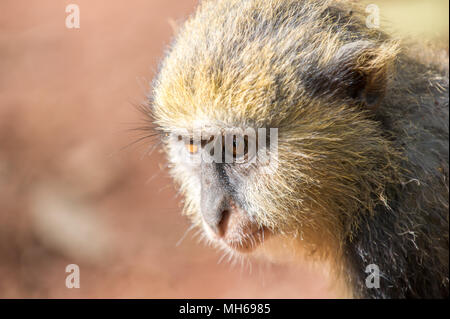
{"x": 69, "y": 194}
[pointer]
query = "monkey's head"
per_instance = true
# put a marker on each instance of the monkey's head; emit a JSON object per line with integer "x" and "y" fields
{"x": 310, "y": 72}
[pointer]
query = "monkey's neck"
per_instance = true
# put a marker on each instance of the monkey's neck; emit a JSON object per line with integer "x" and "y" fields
{"x": 376, "y": 243}
{"x": 409, "y": 242}
{"x": 301, "y": 253}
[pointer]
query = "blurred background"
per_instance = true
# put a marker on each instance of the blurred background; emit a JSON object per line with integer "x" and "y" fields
{"x": 70, "y": 193}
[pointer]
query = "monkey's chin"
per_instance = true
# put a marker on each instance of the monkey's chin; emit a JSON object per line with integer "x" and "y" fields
{"x": 247, "y": 243}
{"x": 241, "y": 240}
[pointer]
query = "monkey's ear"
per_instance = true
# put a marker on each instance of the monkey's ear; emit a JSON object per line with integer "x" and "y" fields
{"x": 360, "y": 70}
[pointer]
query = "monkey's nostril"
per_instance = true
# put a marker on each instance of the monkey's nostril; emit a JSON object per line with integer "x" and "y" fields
{"x": 223, "y": 224}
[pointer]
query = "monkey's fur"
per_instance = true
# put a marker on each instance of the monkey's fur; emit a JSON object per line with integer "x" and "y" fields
{"x": 362, "y": 172}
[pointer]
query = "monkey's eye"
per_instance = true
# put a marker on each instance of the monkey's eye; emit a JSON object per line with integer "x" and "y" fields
{"x": 191, "y": 147}
{"x": 240, "y": 147}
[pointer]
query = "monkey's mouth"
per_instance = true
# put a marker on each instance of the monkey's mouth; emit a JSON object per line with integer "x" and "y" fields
{"x": 238, "y": 231}
{"x": 246, "y": 242}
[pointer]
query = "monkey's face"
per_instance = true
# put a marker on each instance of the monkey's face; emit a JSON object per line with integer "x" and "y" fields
{"x": 218, "y": 170}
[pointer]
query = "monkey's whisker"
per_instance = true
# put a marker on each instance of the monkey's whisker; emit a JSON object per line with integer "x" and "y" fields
{"x": 185, "y": 234}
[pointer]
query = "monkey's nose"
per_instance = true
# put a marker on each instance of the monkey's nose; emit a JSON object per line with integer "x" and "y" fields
{"x": 216, "y": 204}
{"x": 223, "y": 224}
{"x": 217, "y": 221}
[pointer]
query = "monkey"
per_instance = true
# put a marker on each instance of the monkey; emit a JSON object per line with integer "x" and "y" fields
{"x": 360, "y": 176}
